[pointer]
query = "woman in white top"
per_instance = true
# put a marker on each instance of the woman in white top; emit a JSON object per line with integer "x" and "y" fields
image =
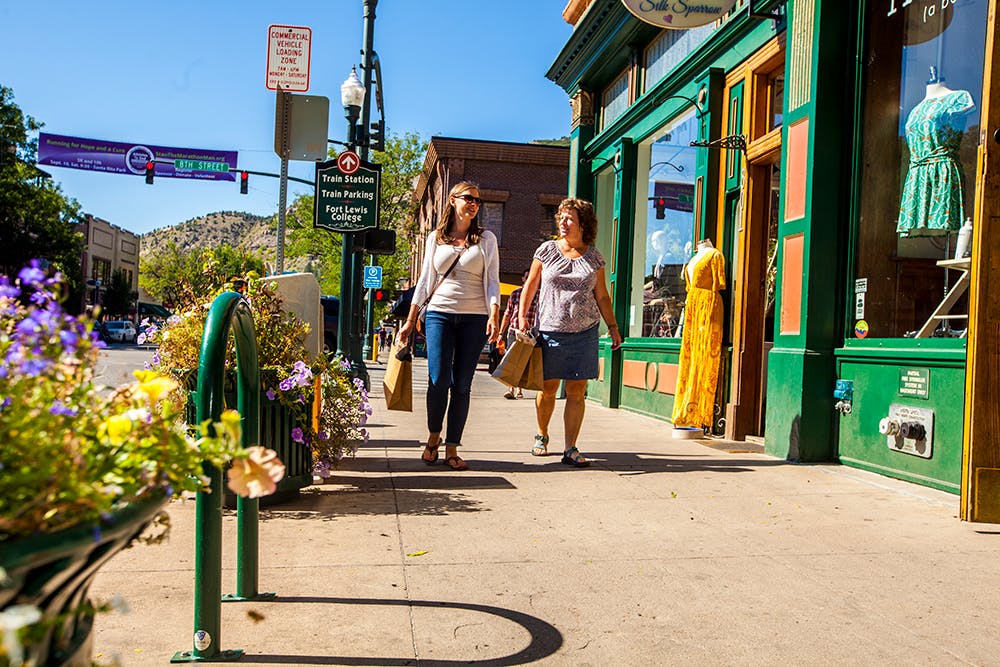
{"x": 462, "y": 315}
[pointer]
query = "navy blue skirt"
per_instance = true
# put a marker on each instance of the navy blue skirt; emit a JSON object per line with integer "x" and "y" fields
{"x": 569, "y": 356}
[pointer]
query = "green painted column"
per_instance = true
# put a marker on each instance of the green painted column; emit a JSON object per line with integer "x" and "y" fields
{"x": 812, "y": 235}
{"x": 581, "y": 178}
{"x": 626, "y": 165}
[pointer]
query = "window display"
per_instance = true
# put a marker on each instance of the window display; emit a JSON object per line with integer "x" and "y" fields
{"x": 664, "y": 240}
{"x": 921, "y": 95}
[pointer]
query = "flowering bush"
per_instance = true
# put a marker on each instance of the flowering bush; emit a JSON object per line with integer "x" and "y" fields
{"x": 72, "y": 452}
{"x": 330, "y": 407}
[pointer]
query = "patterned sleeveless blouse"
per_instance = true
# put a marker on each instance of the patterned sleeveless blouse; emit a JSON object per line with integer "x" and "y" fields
{"x": 566, "y": 301}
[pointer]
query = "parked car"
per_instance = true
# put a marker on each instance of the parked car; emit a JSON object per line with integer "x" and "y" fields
{"x": 331, "y": 319}
{"x": 120, "y": 331}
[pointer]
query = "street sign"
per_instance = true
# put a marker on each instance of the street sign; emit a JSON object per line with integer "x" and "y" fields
{"x": 200, "y": 165}
{"x": 347, "y": 202}
{"x": 288, "y": 51}
{"x": 348, "y": 162}
{"x": 373, "y": 277}
{"x": 300, "y": 126}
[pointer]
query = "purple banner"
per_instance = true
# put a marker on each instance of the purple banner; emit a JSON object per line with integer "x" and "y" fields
{"x": 55, "y": 150}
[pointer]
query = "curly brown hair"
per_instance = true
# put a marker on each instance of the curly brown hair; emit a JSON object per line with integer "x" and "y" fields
{"x": 586, "y": 215}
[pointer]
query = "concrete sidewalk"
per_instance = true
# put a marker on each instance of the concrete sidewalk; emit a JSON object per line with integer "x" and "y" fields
{"x": 662, "y": 552}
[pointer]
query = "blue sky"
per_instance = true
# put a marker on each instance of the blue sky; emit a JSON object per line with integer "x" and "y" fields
{"x": 191, "y": 74}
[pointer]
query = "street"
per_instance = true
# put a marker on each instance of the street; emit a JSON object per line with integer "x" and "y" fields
{"x": 118, "y": 360}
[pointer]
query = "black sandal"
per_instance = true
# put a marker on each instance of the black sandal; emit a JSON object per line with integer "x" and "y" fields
{"x": 433, "y": 449}
{"x": 576, "y": 461}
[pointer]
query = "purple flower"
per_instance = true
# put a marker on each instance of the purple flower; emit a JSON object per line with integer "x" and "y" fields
{"x": 297, "y": 435}
{"x": 31, "y": 274}
{"x": 60, "y": 409}
{"x": 271, "y": 395}
{"x": 286, "y": 384}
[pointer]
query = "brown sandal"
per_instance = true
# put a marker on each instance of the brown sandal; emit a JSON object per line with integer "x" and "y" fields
{"x": 456, "y": 463}
{"x": 433, "y": 449}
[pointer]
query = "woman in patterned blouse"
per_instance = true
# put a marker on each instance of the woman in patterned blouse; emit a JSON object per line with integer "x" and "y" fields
{"x": 568, "y": 275}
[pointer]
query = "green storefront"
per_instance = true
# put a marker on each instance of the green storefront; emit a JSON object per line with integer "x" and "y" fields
{"x": 832, "y": 152}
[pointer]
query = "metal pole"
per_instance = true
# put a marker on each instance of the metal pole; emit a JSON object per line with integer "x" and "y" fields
{"x": 370, "y": 348}
{"x": 358, "y": 257}
{"x": 346, "y": 291}
{"x": 279, "y": 263}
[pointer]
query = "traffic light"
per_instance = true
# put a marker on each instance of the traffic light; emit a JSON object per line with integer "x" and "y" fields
{"x": 376, "y": 137}
{"x": 380, "y": 294}
{"x": 150, "y": 170}
{"x": 244, "y": 182}
{"x": 660, "y": 204}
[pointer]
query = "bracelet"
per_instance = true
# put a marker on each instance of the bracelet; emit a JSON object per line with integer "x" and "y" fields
{"x": 612, "y": 326}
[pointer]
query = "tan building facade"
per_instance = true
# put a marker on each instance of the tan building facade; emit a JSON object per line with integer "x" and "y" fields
{"x": 107, "y": 248}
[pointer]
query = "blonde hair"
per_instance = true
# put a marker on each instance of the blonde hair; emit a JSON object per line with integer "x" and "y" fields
{"x": 445, "y": 224}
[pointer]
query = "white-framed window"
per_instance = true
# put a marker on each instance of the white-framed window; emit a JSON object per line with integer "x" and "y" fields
{"x": 669, "y": 49}
{"x": 615, "y": 100}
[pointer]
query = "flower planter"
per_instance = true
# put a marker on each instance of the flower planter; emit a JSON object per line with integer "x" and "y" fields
{"x": 53, "y": 571}
{"x": 276, "y": 424}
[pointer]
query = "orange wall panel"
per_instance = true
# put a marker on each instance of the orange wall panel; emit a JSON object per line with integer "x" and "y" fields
{"x": 791, "y": 284}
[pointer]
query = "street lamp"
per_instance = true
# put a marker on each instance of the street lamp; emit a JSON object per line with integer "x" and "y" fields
{"x": 352, "y": 96}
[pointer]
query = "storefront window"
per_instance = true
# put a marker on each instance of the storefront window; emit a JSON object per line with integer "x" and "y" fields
{"x": 665, "y": 234}
{"x": 615, "y": 100}
{"x": 921, "y": 99}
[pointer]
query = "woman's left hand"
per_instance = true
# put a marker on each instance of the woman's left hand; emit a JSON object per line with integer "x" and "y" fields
{"x": 492, "y": 330}
{"x": 616, "y": 338}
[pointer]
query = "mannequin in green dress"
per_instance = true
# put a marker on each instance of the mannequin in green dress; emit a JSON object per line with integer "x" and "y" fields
{"x": 931, "y": 204}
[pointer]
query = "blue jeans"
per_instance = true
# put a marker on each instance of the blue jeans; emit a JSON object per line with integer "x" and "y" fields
{"x": 453, "y": 346}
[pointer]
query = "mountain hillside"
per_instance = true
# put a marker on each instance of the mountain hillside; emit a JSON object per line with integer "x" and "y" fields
{"x": 240, "y": 230}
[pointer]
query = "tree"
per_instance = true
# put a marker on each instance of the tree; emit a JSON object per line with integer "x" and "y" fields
{"x": 182, "y": 278}
{"x": 37, "y": 221}
{"x": 119, "y": 299}
{"x": 402, "y": 162}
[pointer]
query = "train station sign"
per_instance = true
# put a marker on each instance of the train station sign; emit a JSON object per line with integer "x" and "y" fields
{"x": 347, "y": 202}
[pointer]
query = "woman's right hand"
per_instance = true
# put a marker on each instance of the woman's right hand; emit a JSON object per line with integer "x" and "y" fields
{"x": 405, "y": 331}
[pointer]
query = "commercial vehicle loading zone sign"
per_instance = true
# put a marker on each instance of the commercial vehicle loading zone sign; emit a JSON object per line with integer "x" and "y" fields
{"x": 347, "y": 202}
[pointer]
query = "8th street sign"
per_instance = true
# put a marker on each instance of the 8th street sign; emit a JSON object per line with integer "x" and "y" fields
{"x": 347, "y": 202}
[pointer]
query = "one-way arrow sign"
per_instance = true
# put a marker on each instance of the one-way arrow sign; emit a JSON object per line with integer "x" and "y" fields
{"x": 348, "y": 162}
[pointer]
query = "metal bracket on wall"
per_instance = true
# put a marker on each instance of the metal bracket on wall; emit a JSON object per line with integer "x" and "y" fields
{"x": 732, "y": 142}
{"x": 754, "y": 14}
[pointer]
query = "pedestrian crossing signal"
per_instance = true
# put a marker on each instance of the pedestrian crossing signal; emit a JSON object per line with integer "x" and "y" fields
{"x": 150, "y": 171}
{"x": 380, "y": 294}
{"x": 244, "y": 182}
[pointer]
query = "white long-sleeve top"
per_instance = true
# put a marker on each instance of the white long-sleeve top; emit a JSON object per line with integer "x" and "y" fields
{"x": 484, "y": 254}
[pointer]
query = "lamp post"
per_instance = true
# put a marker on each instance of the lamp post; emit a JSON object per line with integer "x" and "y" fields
{"x": 352, "y": 95}
{"x": 368, "y": 54}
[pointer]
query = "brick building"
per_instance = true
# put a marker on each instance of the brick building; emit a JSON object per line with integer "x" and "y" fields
{"x": 521, "y": 186}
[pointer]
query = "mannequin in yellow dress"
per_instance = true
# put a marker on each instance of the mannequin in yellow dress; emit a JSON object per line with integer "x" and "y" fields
{"x": 701, "y": 342}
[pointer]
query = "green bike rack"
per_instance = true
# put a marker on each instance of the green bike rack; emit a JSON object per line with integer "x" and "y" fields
{"x": 229, "y": 311}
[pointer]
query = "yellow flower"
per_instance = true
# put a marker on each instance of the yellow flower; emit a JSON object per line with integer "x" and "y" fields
{"x": 117, "y": 427}
{"x": 154, "y": 385}
{"x": 231, "y": 421}
{"x": 257, "y": 474}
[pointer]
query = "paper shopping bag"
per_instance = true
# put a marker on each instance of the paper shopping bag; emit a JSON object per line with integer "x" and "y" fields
{"x": 515, "y": 363}
{"x": 533, "y": 378}
{"x": 398, "y": 381}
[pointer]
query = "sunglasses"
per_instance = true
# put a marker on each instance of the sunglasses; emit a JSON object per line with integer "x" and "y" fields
{"x": 469, "y": 199}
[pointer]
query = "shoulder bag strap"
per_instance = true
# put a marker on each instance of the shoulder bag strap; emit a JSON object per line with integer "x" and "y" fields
{"x": 444, "y": 277}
